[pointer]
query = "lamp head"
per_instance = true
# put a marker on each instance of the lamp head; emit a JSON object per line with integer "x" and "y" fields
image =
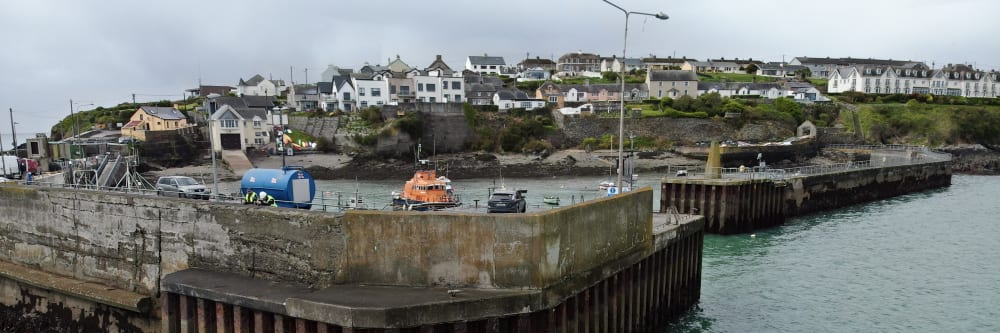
{"x": 661, "y": 16}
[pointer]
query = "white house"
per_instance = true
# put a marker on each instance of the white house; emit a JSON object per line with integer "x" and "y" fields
{"x": 953, "y": 80}
{"x": 804, "y": 92}
{"x": 778, "y": 69}
{"x": 239, "y": 128}
{"x": 711, "y": 66}
{"x": 533, "y": 74}
{"x": 366, "y": 91}
{"x": 485, "y": 64}
{"x": 615, "y": 64}
{"x": 731, "y": 89}
{"x": 258, "y": 86}
{"x": 577, "y": 111}
{"x": 506, "y": 99}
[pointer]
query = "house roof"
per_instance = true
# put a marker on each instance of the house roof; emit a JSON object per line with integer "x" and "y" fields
{"x": 207, "y": 90}
{"x": 851, "y": 61}
{"x": 713, "y": 64}
{"x": 324, "y": 87}
{"x": 253, "y": 81}
{"x": 398, "y": 65}
{"x": 780, "y": 66}
{"x": 486, "y": 60}
{"x": 578, "y": 55}
{"x": 706, "y": 86}
{"x": 672, "y": 75}
{"x": 536, "y": 62}
{"x": 243, "y": 113}
{"x": 165, "y": 113}
{"x": 263, "y": 102}
{"x": 132, "y": 124}
{"x": 667, "y": 60}
{"x": 439, "y": 64}
{"x": 512, "y": 94}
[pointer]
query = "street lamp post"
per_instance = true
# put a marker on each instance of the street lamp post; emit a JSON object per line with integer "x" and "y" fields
{"x": 76, "y": 132}
{"x": 281, "y": 135}
{"x": 621, "y": 117}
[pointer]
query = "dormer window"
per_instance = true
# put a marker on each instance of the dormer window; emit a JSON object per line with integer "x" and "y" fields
{"x": 878, "y": 71}
{"x": 923, "y": 73}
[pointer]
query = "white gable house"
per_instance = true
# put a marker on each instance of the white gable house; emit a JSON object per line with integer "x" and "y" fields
{"x": 485, "y": 64}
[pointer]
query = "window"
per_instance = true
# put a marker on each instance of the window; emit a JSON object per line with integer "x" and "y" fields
{"x": 526, "y": 105}
{"x": 420, "y": 87}
{"x": 256, "y": 123}
{"x": 376, "y": 92}
{"x": 421, "y": 98}
{"x": 379, "y": 103}
{"x": 258, "y": 141}
{"x": 229, "y": 123}
{"x": 364, "y": 104}
{"x": 361, "y": 91}
{"x": 347, "y": 107}
{"x": 392, "y": 89}
{"x": 347, "y": 96}
{"x": 404, "y": 90}
{"x": 458, "y": 98}
{"x": 493, "y": 67}
{"x": 433, "y": 99}
{"x": 444, "y": 85}
{"x": 446, "y": 97}
{"x": 878, "y": 82}
{"x": 456, "y": 85}
{"x": 431, "y": 87}
{"x": 553, "y": 99}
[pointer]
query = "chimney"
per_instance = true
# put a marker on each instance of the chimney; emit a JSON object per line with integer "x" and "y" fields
{"x": 439, "y": 57}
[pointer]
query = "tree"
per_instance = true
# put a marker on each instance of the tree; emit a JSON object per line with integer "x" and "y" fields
{"x": 751, "y": 68}
{"x": 666, "y": 102}
{"x": 709, "y": 103}
{"x": 609, "y": 76}
{"x": 684, "y": 103}
{"x": 804, "y": 73}
{"x": 789, "y": 106}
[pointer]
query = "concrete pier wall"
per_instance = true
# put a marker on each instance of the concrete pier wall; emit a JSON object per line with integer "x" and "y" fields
{"x": 738, "y": 205}
{"x": 128, "y": 245}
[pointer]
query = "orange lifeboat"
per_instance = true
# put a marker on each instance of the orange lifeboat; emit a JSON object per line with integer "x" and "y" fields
{"x": 426, "y": 191}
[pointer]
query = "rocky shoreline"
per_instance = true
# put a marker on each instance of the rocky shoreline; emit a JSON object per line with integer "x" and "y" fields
{"x": 975, "y": 160}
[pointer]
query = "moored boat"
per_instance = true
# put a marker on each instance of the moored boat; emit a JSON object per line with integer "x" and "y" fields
{"x": 551, "y": 200}
{"x": 426, "y": 191}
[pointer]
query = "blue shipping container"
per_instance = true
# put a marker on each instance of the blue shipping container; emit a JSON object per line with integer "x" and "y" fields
{"x": 290, "y": 187}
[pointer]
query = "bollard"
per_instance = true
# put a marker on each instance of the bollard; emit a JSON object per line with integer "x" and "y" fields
{"x": 477, "y": 203}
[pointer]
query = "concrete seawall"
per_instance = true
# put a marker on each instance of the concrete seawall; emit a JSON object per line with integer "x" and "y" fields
{"x": 745, "y": 201}
{"x": 147, "y": 257}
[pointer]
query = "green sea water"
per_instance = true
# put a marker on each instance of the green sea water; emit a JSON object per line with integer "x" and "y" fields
{"x": 924, "y": 262}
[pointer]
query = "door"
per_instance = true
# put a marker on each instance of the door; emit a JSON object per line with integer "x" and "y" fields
{"x": 230, "y": 141}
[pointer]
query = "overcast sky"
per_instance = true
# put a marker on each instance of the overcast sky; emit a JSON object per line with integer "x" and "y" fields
{"x": 102, "y": 52}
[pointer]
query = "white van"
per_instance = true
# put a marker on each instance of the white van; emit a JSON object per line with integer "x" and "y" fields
{"x": 9, "y": 167}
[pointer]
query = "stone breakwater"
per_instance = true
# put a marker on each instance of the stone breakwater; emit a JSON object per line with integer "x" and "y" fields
{"x": 974, "y": 161}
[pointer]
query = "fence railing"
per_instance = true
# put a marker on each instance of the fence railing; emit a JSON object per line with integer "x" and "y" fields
{"x": 886, "y": 156}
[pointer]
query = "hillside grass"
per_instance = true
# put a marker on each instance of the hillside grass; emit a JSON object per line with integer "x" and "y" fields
{"x": 928, "y": 124}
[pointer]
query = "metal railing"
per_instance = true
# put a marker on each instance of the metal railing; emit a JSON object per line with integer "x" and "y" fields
{"x": 882, "y": 156}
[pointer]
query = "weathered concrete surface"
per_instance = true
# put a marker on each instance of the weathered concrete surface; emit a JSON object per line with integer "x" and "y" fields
{"x": 733, "y": 205}
{"x": 40, "y": 308}
{"x": 495, "y": 251}
{"x": 815, "y": 193}
{"x": 380, "y": 306}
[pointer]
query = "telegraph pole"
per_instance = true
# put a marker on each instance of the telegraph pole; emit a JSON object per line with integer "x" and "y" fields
{"x": 13, "y": 134}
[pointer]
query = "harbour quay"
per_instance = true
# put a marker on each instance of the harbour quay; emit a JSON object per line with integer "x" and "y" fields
{"x": 741, "y": 200}
{"x": 133, "y": 263}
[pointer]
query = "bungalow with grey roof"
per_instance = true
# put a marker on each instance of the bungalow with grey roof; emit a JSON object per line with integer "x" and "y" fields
{"x": 711, "y": 66}
{"x": 485, "y": 64}
{"x": 506, "y": 99}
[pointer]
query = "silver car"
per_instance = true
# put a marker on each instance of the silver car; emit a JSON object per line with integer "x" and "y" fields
{"x": 181, "y": 187}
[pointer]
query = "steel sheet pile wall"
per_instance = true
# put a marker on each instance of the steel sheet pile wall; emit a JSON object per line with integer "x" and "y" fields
{"x": 729, "y": 207}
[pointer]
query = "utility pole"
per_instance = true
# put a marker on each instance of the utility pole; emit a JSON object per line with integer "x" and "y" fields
{"x": 13, "y": 133}
{"x": 291, "y": 75}
{"x": 307, "y": 75}
{"x": 133, "y": 100}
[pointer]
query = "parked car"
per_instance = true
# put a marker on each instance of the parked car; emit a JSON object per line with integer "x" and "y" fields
{"x": 507, "y": 201}
{"x": 181, "y": 187}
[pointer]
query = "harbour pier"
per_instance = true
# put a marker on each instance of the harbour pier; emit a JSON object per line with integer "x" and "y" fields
{"x": 109, "y": 262}
{"x": 740, "y": 200}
